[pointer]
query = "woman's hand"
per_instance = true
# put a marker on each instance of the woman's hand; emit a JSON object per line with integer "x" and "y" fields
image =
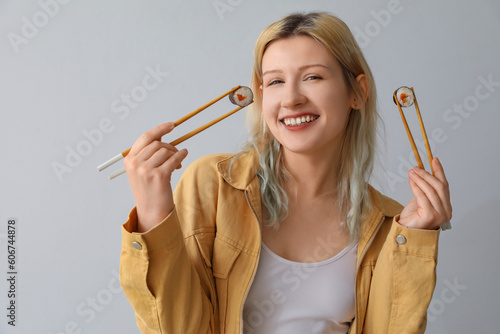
{"x": 149, "y": 167}
{"x": 431, "y": 205}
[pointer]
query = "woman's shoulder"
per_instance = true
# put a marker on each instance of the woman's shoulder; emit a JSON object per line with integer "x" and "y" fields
{"x": 214, "y": 160}
{"x": 225, "y": 164}
{"x": 388, "y": 206}
{"x": 210, "y": 160}
{"x": 205, "y": 166}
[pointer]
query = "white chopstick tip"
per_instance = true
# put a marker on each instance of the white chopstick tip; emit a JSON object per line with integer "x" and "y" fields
{"x": 110, "y": 162}
{"x": 117, "y": 173}
{"x": 446, "y": 226}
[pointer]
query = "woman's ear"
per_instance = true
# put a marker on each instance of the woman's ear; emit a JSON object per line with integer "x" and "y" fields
{"x": 363, "y": 84}
{"x": 260, "y": 90}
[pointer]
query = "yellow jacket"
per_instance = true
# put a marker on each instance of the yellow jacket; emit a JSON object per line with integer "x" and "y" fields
{"x": 192, "y": 272}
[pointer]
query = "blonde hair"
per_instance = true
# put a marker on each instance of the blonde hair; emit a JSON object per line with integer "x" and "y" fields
{"x": 358, "y": 146}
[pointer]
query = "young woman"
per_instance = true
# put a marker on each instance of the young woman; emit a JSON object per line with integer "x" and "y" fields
{"x": 286, "y": 236}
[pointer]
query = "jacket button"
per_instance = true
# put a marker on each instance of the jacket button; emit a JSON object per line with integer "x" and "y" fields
{"x": 400, "y": 239}
{"x": 137, "y": 245}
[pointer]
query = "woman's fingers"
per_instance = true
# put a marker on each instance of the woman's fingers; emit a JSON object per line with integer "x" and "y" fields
{"x": 440, "y": 184}
{"x": 148, "y": 152}
{"x": 427, "y": 186}
{"x": 439, "y": 174}
{"x": 166, "y": 159}
{"x": 419, "y": 194}
{"x": 432, "y": 193}
{"x": 174, "y": 161}
{"x": 149, "y": 168}
{"x": 430, "y": 206}
{"x": 436, "y": 184}
{"x": 150, "y": 136}
{"x": 159, "y": 157}
{"x": 439, "y": 171}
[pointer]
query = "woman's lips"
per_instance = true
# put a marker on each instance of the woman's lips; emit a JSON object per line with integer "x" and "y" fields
{"x": 299, "y": 121}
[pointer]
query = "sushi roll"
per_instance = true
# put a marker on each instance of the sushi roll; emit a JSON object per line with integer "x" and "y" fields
{"x": 242, "y": 97}
{"x": 405, "y": 96}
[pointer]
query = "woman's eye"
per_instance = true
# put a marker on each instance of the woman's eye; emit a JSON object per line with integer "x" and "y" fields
{"x": 313, "y": 77}
{"x": 274, "y": 82}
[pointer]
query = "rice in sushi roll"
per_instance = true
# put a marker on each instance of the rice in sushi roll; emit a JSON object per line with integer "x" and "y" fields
{"x": 405, "y": 96}
{"x": 242, "y": 97}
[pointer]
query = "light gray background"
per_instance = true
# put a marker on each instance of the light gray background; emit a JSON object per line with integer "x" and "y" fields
{"x": 64, "y": 79}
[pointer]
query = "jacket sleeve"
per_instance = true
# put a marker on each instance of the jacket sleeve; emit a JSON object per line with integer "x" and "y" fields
{"x": 403, "y": 281}
{"x": 164, "y": 272}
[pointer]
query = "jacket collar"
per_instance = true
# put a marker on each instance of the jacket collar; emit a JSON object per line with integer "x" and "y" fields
{"x": 382, "y": 207}
{"x": 239, "y": 170}
{"x": 384, "y": 204}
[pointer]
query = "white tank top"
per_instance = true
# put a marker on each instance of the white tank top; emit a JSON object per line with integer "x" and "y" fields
{"x": 288, "y": 297}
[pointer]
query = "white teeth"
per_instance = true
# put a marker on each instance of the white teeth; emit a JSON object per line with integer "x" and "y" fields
{"x": 299, "y": 120}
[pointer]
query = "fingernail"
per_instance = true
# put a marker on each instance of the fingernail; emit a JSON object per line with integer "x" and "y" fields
{"x": 437, "y": 160}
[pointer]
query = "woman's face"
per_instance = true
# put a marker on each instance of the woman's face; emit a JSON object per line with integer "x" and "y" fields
{"x": 305, "y": 101}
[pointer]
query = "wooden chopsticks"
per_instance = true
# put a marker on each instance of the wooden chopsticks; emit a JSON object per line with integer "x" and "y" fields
{"x": 422, "y": 129}
{"x": 447, "y": 225}
{"x": 176, "y": 123}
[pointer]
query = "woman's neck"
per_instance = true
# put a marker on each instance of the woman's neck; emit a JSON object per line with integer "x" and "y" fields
{"x": 313, "y": 175}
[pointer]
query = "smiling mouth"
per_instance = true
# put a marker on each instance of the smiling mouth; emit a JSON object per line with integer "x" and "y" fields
{"x": 301, "y": 120}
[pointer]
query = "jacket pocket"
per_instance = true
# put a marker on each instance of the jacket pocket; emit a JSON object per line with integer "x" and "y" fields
{"x": 224, "y": 257}
{"x": 203, "y": 265}
{"x": 363, "y": 284}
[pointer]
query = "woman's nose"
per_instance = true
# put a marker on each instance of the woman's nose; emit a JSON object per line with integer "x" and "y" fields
{"x": 292, "y": 97}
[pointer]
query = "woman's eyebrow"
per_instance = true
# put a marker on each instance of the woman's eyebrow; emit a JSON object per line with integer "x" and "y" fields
{"x": 300, "y": 68}
{"x": 272, "y": 71}
{"x": 313, "y": 65}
